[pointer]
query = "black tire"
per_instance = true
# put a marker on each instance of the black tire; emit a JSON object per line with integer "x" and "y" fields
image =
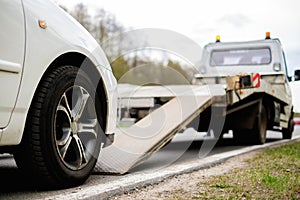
{"x": 260, "y": 127}
{"x": 256, "y": 135}
{"x": 287, "y": 133}
{"x": 62, "y": 137}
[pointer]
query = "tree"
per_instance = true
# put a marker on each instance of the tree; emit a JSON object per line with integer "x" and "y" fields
{"x": 177, "y": 67}
{"x": 120, "y": 67}
{"x": 108, "y": 31}
{"x": 80, "y": 13}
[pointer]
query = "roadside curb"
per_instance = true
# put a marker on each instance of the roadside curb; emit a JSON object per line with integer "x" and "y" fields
{"x": 132, "y": 182}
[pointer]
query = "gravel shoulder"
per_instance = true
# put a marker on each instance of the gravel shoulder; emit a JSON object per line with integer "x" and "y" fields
{"x": 186, "y": 183}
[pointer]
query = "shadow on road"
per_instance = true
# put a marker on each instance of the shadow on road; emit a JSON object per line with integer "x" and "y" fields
{"x": 11, "y": 178}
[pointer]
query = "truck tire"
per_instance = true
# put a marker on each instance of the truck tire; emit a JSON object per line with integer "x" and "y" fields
{"x": 61, "y": 141}
{"x": 287, "y": 133}
{"x": 260, "y": 127}
{"x": 256, "y": 135}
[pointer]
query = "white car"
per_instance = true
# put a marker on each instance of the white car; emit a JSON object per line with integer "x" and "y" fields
{"x": 57, "y": 105}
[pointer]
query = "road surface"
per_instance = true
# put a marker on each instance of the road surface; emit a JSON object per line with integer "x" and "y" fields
{"x": 184, "y": 148}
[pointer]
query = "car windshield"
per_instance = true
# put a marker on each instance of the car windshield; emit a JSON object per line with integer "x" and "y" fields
{"x": 231, "y": 57}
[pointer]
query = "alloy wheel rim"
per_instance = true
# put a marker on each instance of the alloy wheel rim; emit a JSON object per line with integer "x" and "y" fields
{"x": 75, "y": 128}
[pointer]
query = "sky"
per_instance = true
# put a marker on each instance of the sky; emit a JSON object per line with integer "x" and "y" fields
{"x": 201, "y": 21}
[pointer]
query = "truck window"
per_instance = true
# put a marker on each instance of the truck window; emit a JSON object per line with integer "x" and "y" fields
{"x": 232, "y": 57}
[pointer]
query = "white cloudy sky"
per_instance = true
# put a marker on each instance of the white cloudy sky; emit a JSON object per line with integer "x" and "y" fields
{"x": 234, "y": 20}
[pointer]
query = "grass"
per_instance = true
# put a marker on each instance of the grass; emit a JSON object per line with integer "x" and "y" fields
{"x": 272, "y": 174}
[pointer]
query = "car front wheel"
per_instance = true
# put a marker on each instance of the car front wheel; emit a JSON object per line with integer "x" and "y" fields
{"x": 62, "y": 137}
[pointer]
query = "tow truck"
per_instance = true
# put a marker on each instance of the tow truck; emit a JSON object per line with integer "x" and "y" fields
{"x": 242, "y": 87}
{"x": 268, "y": 105}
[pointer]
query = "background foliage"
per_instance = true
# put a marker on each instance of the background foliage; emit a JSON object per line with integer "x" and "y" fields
{"x": 162, "y": 68}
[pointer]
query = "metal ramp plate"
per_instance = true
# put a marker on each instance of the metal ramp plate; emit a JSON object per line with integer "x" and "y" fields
{"x": 134, "y": 144}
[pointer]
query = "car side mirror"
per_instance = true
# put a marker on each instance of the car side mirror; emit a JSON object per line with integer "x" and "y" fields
{"x": 297, "y": 75}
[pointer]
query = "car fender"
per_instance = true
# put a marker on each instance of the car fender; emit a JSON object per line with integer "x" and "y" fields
{"x": 62, "y": 34}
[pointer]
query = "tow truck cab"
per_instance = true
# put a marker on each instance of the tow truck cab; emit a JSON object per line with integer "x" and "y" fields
{"x": 263, "y": 56}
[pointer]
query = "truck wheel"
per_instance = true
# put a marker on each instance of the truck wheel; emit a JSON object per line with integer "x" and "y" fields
{"x": 260, "y": 127}
{"x": 287, "y": 133}
{"x": 256, "y": 135}
{"x": 61, "y": 141}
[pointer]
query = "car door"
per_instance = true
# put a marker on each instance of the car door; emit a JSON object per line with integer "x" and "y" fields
{"x": 12, "y": 44}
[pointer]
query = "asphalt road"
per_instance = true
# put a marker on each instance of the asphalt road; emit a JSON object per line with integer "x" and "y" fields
{"x": 184, "y": 148}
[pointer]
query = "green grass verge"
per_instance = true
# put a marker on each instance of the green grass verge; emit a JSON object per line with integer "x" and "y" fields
{"x": 272, "y": 174}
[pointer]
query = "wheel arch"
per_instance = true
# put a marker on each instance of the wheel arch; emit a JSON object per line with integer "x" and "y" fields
{"x": 83, "y": 62}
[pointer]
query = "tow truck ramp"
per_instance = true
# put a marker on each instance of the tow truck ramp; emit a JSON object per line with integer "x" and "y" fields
{"x": 138, "y": 142}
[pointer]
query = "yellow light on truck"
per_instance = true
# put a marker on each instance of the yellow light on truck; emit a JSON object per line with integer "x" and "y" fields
{"x": 268, "y": 35}
{"x": 218, "y": 38}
